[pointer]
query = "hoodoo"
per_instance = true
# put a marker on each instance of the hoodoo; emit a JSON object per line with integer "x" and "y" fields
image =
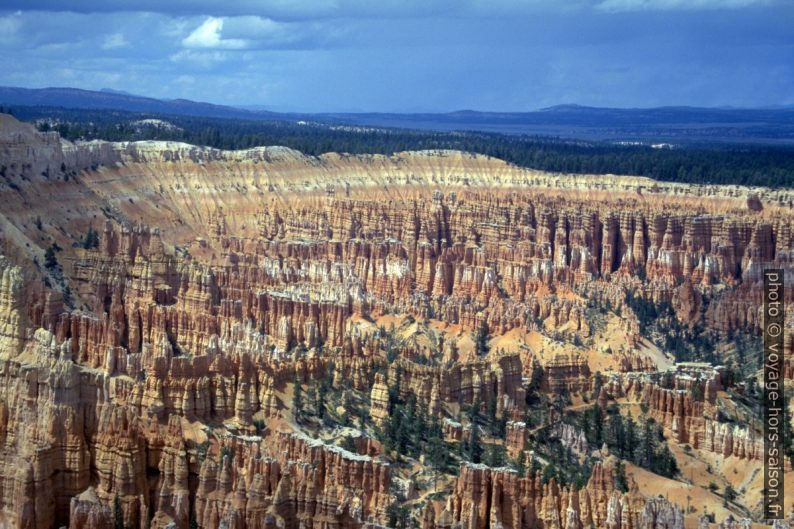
{"x": 192, "y": 337}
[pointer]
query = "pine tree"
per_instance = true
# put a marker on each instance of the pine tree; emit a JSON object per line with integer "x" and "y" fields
{"x": 474, "y": 446}
{"x": 598, "y": 382}
{"x": 394, "y": 389}
{"x": 435, "y": 452}
{"x": 311, "y": 397}
{"x": 474, "y": 411}
{"x": 645, "y": 449}
{"x": 410, "y": 410}
{"x": 322, "y": 391}
{"x": 621, "y": 481}
{"x": 561, "y": 477}
{"x": 481, "y": 340}
{"x": 598, "y": 426}
{"x": 420, "y": 426}
{"x": 67, "y": 296}
{"x": 697, "y": 390}
{"x": 521, "y": 464}
{"x": 491, "y": 407}
{"x": 397, "y": 516}
{"x": 91, "y": 239}
{"x": 403, "y": 434}
{"x": 363, "y": 417}
{"x": 534, "y": 468}
{"x": 536, "y": 377}
{"x": 297, "y": 398}
{"x": 495, "y": 455}
{"x": 729, "y": 494}
{"x": 664, "y": 462}
{"x": 629, "y": 438}
{"x": 118, "y": 513}
{"x": 549, "y": 473}
{"x": 615, "y": 435}
{"x": 497, "y": 426}
{"x": 192, "y": 522}
{"x": 500, "y": 427}
{"x": 583, "y": 423}
{"x": 50, "y": 260}
{"x": 350, "y": 408}
{"x": 393, "y": 429}
{"x": 349, "y": 444}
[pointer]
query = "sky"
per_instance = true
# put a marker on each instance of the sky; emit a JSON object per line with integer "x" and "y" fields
{"x": 408, "y": 55}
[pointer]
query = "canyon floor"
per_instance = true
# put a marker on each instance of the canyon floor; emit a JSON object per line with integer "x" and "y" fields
{"x": 192, "y": 337}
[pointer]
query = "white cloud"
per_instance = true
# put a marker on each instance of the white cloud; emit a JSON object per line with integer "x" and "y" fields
{"x": 263, "y": 33}
{"x": 661, "y": 5}
{"x": 259, "y": 33}
{"x": 208, "y": 35}
{"x": 116, "y": 40}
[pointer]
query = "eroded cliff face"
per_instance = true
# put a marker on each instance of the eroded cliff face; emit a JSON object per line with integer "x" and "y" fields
{"x": 486, "y": 497}
{"x": 234, "y": 348}
{"x": 686, "y": 403}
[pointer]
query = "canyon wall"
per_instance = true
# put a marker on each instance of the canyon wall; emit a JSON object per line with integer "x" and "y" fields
{"x": 152, "y": 376}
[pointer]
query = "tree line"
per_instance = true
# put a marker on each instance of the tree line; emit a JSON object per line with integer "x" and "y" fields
{"x": 643, "y": 444}
{"x": 698, "y": 163}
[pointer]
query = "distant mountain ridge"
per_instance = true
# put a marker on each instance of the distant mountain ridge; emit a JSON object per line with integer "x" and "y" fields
{"x": 117, "y": 100}
{"x": 669, "y": 124}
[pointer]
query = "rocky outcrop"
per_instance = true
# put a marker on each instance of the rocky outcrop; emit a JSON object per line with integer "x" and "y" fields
{"x": 516, "y": 437}
{"x": 684, "y": 402}
{"x": 572, "y": 438}
{"x": 660, "y": 514}
{"x": 729, "y": 440}
{"x": 485, "y": 497}
{"x": 496, "y": 377}
{"x": 289, "y": 480}
{"x": 566, "y": 373}
{"x": 379, "y": 400}
{"x": 87, "y": 511}
{"x": 13, "y": 324}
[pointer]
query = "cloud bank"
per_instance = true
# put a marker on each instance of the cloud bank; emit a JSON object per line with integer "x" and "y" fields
{"x": 333, "y": 55}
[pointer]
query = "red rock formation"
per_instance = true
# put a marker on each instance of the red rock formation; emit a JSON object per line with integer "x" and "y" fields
{"x": 87, "y": 511}
{"x": 135, "y": 374}
{"x": 294, "y": 480}
{"x": 498, "y": 377}
{"x": 516, "y": 436}
{"x": 485, "y": 497}
{"x": 565, "y": 372}
{"x": 572, "y": 438}
{"x": 690, "y": 420}
{"x": 13, "y": 321}
{"x": 379, "y": 399}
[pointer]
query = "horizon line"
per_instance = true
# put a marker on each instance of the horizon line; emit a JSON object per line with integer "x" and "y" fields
{"x": 260, "y": 107}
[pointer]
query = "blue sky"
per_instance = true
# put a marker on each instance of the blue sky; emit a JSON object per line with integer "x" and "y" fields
{"x": 412, "y": 55}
